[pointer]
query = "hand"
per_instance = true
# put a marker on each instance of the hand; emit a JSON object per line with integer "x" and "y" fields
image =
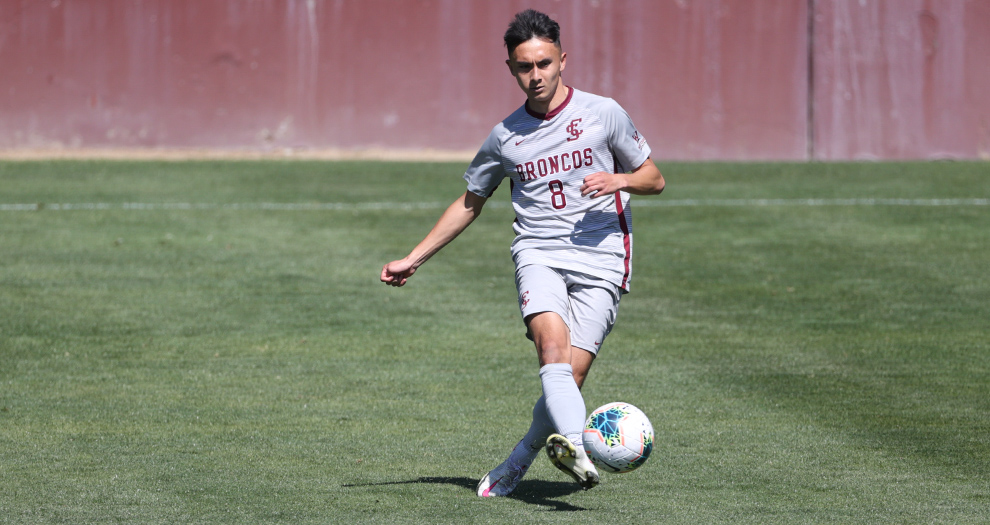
{"x": 396, "y": 273}
{"x": 602, "y": 183}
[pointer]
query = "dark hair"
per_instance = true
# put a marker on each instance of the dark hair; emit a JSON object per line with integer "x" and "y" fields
{"x": 530, "y": 24}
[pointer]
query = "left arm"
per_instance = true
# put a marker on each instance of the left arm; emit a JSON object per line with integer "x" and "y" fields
{"x": 644, "y": 180}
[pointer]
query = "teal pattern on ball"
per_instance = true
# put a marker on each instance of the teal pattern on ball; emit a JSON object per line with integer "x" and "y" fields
{"x": 607, "y": 423}
{"x": 647, "y": 448}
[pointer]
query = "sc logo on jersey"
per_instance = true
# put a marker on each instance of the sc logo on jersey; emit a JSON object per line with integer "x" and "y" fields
{"x": 572, "y": 128}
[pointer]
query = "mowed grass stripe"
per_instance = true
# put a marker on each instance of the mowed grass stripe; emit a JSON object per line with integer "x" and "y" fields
{"x": 406, "y": 206}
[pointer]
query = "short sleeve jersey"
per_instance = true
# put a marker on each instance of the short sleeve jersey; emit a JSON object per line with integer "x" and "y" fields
{"x": 546, "y": 158}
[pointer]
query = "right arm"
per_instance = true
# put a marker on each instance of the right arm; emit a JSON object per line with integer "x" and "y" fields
{"x": 458, "y": 216}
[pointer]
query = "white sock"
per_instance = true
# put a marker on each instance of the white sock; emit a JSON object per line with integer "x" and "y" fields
{"x": 539, "y": 430}
{"x": 522, "y": 454}
{"x": 564, "y": 403}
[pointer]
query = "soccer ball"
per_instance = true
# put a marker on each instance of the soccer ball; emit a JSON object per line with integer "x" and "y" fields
{"x": 618, "y": 437}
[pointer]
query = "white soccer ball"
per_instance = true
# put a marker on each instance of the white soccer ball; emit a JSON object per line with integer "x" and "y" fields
{"x": 618, "y": 437}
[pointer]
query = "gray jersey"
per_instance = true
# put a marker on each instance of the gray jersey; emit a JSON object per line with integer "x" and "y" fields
{"x": 546, "y": 158}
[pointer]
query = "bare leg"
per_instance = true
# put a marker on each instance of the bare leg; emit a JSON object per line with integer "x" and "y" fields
{"x": 561, "y": 390}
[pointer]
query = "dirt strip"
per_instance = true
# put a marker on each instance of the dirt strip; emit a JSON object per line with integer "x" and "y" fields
{"x": 425, "y": 155}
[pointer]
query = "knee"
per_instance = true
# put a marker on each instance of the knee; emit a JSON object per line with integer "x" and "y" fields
{"x": 551, "y": 336}
{"x": 551, "y": 350}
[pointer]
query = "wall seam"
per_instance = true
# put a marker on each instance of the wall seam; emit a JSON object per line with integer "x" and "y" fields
{"x": 810, "y": 116}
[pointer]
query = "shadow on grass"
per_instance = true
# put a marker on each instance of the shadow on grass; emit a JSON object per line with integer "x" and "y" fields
{"x": 534, "y": 492}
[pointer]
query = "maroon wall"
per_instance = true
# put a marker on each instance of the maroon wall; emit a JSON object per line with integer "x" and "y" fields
{"x": 901, "y": 79}
{"x": 703, "y": 79}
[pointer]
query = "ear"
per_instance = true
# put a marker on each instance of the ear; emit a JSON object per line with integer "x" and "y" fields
{"x": 508, "y": 64}
{"x": 563, "y": 61}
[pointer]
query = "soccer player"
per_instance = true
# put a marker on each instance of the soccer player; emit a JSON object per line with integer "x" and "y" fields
{"x": 572, "y": 159}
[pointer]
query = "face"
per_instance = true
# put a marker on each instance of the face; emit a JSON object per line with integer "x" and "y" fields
{"x": 537, "y": 65}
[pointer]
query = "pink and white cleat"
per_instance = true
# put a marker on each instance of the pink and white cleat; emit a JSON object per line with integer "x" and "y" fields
{"x": 502, "y": 480}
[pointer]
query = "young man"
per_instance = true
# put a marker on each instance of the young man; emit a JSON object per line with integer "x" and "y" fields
{"x": 572, "y": 159}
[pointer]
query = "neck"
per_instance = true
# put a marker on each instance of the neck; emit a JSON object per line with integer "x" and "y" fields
{"x": 558, "y": 98}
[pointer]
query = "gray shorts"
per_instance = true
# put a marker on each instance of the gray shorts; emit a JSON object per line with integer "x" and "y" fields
{"x": 587, "y": 304}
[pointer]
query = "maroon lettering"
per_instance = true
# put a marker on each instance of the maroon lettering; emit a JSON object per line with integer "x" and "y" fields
{"x": 554, "y": 164}
{"x": 557, "y": 198}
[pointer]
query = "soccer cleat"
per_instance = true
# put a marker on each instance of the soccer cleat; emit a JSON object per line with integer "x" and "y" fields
{"x": 502, "y": 480}
{"x": 574, "y": 462}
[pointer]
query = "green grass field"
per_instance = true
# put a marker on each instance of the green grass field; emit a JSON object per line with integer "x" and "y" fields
{"x": 210, "y": 357}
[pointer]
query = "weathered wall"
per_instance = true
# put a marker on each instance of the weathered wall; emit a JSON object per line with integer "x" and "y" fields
{"x": 901, "y": 79}
{"x": 704, "y": 79}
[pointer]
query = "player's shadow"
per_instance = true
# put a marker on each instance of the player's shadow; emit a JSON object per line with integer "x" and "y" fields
{"x": 592, "y": 229}
{"x": 534, "y": 492}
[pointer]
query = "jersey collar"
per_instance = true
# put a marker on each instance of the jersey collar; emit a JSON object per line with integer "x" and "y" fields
{"x": 556, "y": 110}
